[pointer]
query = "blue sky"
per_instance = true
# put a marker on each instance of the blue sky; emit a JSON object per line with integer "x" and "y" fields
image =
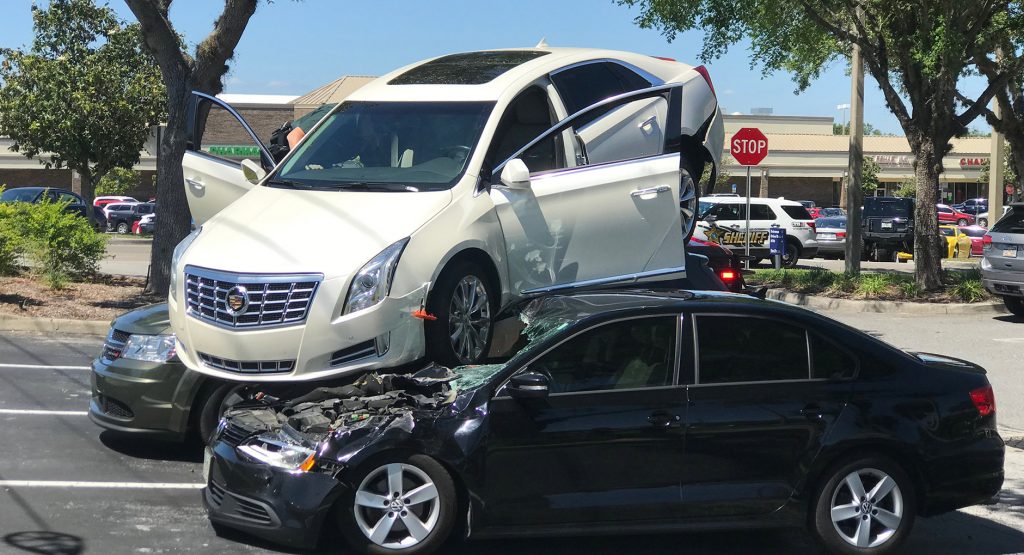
{"x": 293, "y": 47}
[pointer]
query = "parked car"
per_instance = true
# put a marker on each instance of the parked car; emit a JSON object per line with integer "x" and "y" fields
{"x": 948, "y": 214}
{"x": 121, "y": 217}
{"x": 627, "y": 411}
{"x": 35, "y": 195}
{"x": 807, "y": 203}
{"x": 146, "y": 224}
{"x": 724, "y": 218}
{"x": 973, "y": 206}
{"x": 977, "y": 236}
{"x": 111, "y": 199}
{"x": 831, "y": 236}
{"x": 983, "y": 218}
{"x": 457, "y": 186}
{"x": 140, "y": 386}
{"x": 1002, "y": 265}
{"x": 888, "y": 227}
{"x": 831, "y": 212}
{"x": 725, "y": 263}
{"x": 958, "y": 243}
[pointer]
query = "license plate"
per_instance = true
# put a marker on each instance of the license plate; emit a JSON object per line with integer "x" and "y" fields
{"x": 826, "y": 236}
{"x": 886, "y": 225}
{"x": 207, "y": 455}
{"x": 1010, "y": 252}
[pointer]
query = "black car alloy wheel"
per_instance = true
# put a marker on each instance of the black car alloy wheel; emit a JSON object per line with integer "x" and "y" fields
{"x": 399, "y": 505}
{"x": 867, "y": 506}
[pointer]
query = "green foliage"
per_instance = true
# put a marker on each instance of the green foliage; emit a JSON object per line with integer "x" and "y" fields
{"x": 907, "y": 188}
{"x": 872, "y": 286}
{"x": 85, "y": 91}
{"x": 118, "y": 181}
{"x": 844, "y": 129}
{"x": 1009, "y": 176}
{"x": 968, "y": 291}
{"x": 869, "y": 176}
{"x": 56, "y": 245}
{"x": 961, "y": 285}
{"x": 909, "y": 290}
{"x": 721, "y": 180}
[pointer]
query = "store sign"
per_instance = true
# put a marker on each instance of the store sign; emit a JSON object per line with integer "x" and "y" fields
{"x": 966, "y": 163}
{"x": 235, "y": 151}
{"x": 893, "y": 160}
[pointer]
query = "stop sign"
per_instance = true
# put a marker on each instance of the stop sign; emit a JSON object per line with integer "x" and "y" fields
{"x": 748, "y": 146}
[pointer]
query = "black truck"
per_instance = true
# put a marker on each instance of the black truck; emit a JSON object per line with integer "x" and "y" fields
{"x": 888, "y": 227}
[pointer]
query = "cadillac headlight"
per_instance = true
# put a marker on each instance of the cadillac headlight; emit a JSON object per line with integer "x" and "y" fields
{"x": 149, "y": 348}
{"x": 278, "y": 450}
{"x": 373, "y": 281}
{"x": 178, "y": 252}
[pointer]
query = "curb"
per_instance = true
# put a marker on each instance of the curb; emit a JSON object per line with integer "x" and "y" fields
{"x": 53, "y": 325}
{"x": 851, "y": 305}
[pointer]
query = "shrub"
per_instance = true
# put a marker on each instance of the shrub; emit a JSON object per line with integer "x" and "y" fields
{"x": 57, "y": 245}
{"x": 967, "y": 291}
{"x": 873, "y": 285}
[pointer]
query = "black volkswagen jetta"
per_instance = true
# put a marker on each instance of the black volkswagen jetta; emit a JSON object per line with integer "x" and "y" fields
{"x": 624, "y": 412}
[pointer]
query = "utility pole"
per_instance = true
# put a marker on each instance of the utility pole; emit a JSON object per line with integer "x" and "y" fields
{"x": 854, "y": 239}
{"x": 996, "y": 182}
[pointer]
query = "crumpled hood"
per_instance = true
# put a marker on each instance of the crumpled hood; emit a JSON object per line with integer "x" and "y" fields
{"x": 272, "y": 230}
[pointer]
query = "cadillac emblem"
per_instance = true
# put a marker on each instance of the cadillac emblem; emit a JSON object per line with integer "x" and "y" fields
{"x": 237, "y": 300}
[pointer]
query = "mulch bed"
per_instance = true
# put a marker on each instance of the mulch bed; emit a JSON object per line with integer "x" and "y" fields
{"x": 101, "y": 299}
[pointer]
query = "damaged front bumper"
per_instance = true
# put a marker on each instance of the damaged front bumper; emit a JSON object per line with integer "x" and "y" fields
{"x": 285, "y": 507}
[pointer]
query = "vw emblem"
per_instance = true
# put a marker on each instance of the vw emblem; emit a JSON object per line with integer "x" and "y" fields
{"x": 237, "y": 300}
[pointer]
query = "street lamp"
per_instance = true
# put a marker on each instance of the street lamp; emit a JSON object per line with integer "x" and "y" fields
{"x": 846, "y": 124}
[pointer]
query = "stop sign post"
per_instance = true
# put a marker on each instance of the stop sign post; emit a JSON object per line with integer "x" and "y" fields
{"x": 748, "y": 147}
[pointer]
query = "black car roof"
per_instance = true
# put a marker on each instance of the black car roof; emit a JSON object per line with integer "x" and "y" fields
{"x": 593, "y": 303}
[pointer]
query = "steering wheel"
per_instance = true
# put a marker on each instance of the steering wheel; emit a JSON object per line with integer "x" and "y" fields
{"x": 459, "y": 153}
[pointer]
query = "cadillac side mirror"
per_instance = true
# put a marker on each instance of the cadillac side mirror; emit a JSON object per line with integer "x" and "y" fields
{"x": 515, "y": 175}
{"x": 252, "y": 171}
{"x": 529, "y": 385}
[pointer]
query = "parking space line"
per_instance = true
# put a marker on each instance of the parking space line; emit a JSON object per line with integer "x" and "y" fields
{"x": 98, "y": 485}
{"x": 45, "y": 412}
{"x": 42, "y": 367}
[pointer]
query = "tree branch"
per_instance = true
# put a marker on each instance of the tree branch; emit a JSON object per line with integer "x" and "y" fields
{"x": 219, "y": 46}
{"x": 976, "y": 108}
{"x": 160, "y": 37}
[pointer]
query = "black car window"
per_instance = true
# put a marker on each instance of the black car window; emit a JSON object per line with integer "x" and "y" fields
{"x": 621, "y": 355}
{"x": 587, "y": 84}
{"x": 1012, "y": 222}
{"x": 761, "y": 212}
{"x": 19, "y": 195}
{"x": 888, "y": 208}
{"x": 797, "y": 212}
{"x": 743, "y": 349}
{"x": 70, "y": 198}
{"x": 831, "y": 362}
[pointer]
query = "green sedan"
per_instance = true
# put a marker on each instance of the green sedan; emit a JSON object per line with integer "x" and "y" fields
{"x": 140, "y": 387}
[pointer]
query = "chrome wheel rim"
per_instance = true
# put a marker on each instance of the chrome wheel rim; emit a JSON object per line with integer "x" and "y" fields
{"x": 867, "y": 508}
{"x": 397, "y": 506}
{"x": 469, "y": 319}
{"x": 687, "y": 204}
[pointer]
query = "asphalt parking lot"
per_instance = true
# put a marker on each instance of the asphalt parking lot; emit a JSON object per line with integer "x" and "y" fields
{"x": 66, "y": 487}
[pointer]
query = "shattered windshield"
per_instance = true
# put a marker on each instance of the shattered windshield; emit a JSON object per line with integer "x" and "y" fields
{"x": 388, "y": 146}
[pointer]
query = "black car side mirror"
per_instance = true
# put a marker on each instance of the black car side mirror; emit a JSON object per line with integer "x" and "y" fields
{"x": 529, "y": 385}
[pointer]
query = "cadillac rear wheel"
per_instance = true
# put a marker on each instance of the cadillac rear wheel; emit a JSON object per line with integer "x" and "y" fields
{"x": 399, "y": 506}
{"x": 689, "y": 200}
{"x": 463, "y": 304}
{"x": 867, "y": 506}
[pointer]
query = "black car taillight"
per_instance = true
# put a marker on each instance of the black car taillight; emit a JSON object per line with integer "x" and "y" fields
{"x": 984, "y": 400}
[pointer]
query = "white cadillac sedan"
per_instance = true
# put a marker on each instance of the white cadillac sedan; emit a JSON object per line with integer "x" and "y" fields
{"x": 430, "y": 200}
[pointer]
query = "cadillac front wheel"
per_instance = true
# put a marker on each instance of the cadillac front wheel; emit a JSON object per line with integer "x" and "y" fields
{"x": 463, "y": 303}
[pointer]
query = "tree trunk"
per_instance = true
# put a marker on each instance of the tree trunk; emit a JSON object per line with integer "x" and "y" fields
{"x": 173, "y": 220}
{"x": 927, "y": 241}
{"x": 88, "y": 185}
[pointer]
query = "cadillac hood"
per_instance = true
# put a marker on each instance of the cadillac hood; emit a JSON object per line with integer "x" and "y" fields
{"x": 271, "y": 230}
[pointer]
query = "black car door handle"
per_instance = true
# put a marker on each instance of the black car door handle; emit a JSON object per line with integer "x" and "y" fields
{"x": 662, "y": 419}
{"x": 811, "y": 411}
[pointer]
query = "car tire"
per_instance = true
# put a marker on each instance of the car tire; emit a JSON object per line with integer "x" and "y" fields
{"x": 792, "y": 255}
{"x": 961, "y": 222}
{"x": 1015, "y": 305}
{"x": 454, "y": 303}
{"x": 122, "y": 228}
{"x": 983, "y": 222}
{"x": 433, "y": 516}
{"x": 213, "y": 405}
{"x": 843, "y": 506}
{"x": 689, "y": 201}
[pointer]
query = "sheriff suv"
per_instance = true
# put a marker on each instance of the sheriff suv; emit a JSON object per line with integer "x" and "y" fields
{"x": 724, "y": 220}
